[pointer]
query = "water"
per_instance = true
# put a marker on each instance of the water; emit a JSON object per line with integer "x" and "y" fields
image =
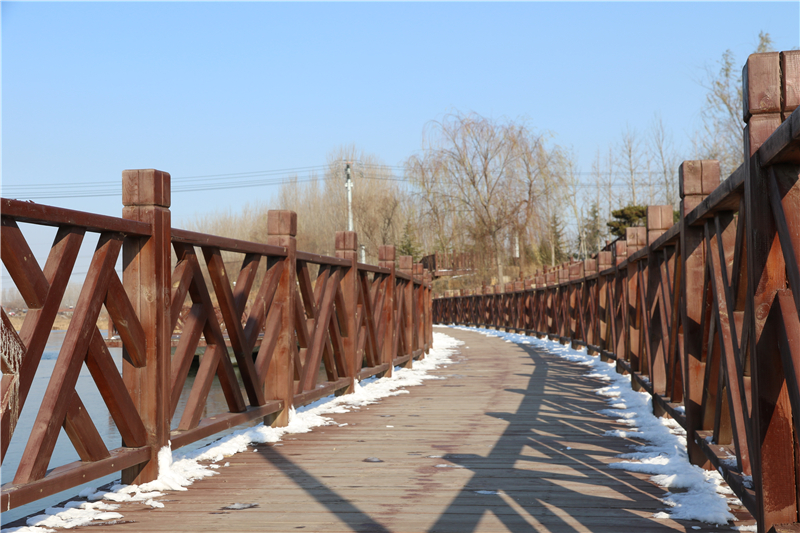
{"x": 64, "y": 452}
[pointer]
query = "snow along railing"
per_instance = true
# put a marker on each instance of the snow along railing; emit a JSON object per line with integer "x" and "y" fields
{"x": 704, "y": 313}
{"x": 316, "y": 337}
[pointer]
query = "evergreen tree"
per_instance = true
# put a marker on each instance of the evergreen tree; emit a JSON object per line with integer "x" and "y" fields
{"x": 408, "y": 244}
{"x": 627, "y": 217}
{"x": 592, "y": 232}
{"x": 551, "y": 249}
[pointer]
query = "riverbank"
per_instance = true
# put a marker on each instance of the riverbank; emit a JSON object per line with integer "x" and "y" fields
{"x": 61, "y": 323}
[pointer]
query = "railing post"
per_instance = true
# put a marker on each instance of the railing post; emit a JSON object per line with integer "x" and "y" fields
{"x": 773, "y": 450}
{"x": 282, "y": 231}
{"x": 406, "y": 266}
{"x": 419, "y": 308}
{"x": 604, "y": 305}
{"x": 635, "y": 238}
{"x": 146, "y": 277}
{"x": 697, "y": 180}
{"x": 347, "y": 248}
{"x": 386, "y": 260}
{"x": 590, "y": 312}
{"x": 429, "y": 310}
{"x": 659, "y": 220}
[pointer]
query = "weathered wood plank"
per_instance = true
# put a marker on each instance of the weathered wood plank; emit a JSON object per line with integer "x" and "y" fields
{"x": 546, "y": 457}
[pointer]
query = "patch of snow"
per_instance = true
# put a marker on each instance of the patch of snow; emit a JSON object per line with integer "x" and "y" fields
{"x": 75, "y": 514}
{"x": 177, "y": 473}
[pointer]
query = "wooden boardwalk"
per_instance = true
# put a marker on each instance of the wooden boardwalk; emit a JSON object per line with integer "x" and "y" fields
{"x": 509, "y": 419}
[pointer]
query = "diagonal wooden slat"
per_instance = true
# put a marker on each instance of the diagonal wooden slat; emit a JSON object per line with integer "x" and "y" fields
{"x": 261, "y": 305}
{"x": 785, "y": 235}
{"x": 271, "y": 331}
{"x": 17, "y": 257}
{"x": 184, "y": 353}
{"x": 244, "y": 283}
{"x": 319, "y": 336}
{"x": 372, "y": 349}
{"x": 306, "y": 288}
{"x": 724, "y": 237}
{"x": 196, "y": 403}
{"x": 227, "y": 306}
{"x": 50, "y": 417}
{"x": 128, "y": 326}
{"x": 212, "y": 332}
{"x": 181, "y": 278}
{"x": 790, "y": 350}
{"x": 38, "y": 322}
{"x": 112, "y": 388}
{"x": 82, "y": 432}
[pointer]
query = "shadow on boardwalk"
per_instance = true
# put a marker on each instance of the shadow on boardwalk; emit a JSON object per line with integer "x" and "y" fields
{"x": 510, "y": 441}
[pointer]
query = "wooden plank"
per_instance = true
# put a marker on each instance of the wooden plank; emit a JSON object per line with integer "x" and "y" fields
{"x": 112, "y": 388}
{"x": 322, "y": 259}
{"x": 244, "y": 283}
{"x": 185, "y": 352}
{"x": 771, "y": 412}
{"x": 50, "y": 417}
{"x": 279, "y": 379}
{"x": 213, "y": 332}
{"x": 147, "y": 277}
{"x": 271, "y": 335}
{"x": 46, "y": 215}
{"x": 36, "y": 327}
{"x": 724, "y": 239}
{"x": 181, "y": 279}
{"x": 547, "y": 461}
{"x": 128, "y": 326}
{"x": 217, "y": 423}
{"x": 233, "y": 322}
{"x": 308, "y": 378}
{"x": 193, "y": 238}
{"x": 18, "y": 258}
{"x": 71, "y": 475}
{"x": 82, "y": 432}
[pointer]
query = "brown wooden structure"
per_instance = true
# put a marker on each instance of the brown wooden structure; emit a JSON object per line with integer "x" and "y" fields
{"x": 704, "y": 313}
{"x": 316, "y": 338}
{"x": 509, "y": 441}
{"x": 450, "y": 264}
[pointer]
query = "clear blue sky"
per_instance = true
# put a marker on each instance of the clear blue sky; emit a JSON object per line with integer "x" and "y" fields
{"x": 90, "y": 89}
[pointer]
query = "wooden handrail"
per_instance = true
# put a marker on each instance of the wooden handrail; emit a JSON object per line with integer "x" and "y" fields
{"x": 354, "y": 321}
{"x": 709, "y": 301}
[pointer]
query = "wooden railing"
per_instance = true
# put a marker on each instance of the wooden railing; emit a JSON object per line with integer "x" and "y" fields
{"x": 703, "y": 314}
{"x": 314, "y": 337}
{"x": 450, "y": 264}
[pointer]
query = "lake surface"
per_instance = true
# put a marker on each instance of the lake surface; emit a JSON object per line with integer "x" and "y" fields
{"x": 64, "y": 451}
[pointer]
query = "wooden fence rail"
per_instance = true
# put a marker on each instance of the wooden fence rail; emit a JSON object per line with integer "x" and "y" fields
{"x": 703, "y": 314}
{"x": 315, "y": 337}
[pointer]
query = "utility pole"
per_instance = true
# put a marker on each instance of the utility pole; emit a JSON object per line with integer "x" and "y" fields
{"x": 349, "y": 186}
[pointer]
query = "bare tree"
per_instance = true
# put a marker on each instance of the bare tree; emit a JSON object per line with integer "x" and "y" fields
{"x": 492, "y": 173}
{"x": 721, "y": 134}
{"x": 665, "y": 160}
{"x": 631, "y": 160}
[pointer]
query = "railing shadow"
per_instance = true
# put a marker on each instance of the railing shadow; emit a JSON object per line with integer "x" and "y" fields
{"x": 567, "y": 489}
{"x": 520, "y": 509}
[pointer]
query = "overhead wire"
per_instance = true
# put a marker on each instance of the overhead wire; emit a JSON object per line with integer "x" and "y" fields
{"x": 238, "y": 180}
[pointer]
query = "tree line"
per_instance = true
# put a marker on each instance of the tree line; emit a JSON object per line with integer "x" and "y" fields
{"x": 502, "y": 189}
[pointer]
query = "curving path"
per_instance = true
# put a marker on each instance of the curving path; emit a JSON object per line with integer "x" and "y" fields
{"x": 510, "y": 441}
